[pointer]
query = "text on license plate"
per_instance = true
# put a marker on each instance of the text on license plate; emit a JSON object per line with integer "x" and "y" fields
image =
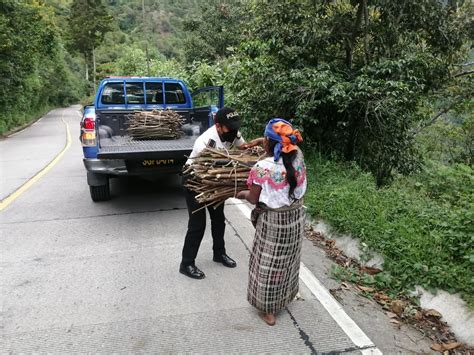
{"x": 157, "y": 162}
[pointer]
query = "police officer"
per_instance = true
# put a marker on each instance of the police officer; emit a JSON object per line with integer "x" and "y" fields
{"x": 223, "y": 134}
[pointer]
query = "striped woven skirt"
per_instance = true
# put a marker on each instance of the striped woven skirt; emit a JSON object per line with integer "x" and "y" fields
{"x": 275, "y": 259}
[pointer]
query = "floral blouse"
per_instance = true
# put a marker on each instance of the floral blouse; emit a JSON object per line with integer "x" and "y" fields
{"x": 270, "y": 175}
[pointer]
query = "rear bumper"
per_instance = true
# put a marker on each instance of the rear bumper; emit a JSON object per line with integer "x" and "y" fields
{"x": 120, "y": 167}
{"x": 106, "y": 166}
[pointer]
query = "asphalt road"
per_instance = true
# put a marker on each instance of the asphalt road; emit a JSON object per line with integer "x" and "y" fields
{"x": 79, "y": 276}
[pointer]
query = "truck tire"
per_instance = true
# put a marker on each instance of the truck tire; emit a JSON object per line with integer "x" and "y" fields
{"x": 100, "y": 193}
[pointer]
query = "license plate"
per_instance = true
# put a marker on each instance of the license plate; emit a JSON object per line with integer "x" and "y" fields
{"x": 156, "y": 162}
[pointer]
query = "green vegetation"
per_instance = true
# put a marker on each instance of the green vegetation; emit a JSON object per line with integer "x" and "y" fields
{"x": 89, "y": 21}
{"x": 421, "y": 225}
{"x": 381, "y": 89}
{"x": 36, "y": 72}
{"x": 48, "y": 47}
{"x": 352, "y": 75}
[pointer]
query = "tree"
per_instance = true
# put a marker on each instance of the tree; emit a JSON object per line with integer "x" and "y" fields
{"x": 214, "y": 33}
{"x": 352, "y": 73}
{"x": 34, "y": 68}
{"x": 89, "y": 21}
{"x": 133, "y": 62}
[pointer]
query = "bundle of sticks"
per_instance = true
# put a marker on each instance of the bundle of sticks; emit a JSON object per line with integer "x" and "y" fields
{"x": 156, "y": 124}
{"x": 216, "y": 174}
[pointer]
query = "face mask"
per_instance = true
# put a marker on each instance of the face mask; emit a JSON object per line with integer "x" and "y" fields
{"x": 228, "y": 136}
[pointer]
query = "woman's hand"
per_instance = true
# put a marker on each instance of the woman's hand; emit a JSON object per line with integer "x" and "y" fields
{"x": 251, "y": 195}
{"x": 252, "y": 143}
{"x": 242, "y": 194}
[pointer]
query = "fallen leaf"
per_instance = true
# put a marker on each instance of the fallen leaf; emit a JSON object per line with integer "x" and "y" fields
{"x": 394, "y": 321}
{"x": 366, "y": 289}
{"x": 446, "y": 347}
{"x": 345, "y": 285}
{"x": 437, "y": 347}
{"x": 432, "y": 313}
{"x": 397, "y": 307}
{"x": 418, "y": 315}
{"x": 391, "y": 315}
{"x": 370, "y": 270}
{"x": 452, "y": 346}
{"x": 382, "y": 296}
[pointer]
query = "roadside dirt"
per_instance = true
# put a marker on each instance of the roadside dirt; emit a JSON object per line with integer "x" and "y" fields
{"x": 415, "y": 329}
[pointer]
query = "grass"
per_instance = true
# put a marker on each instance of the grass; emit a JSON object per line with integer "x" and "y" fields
{"x": 421, "y": 225}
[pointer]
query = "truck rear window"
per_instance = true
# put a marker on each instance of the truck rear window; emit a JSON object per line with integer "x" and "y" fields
{"x": 135, "y": 94}
{"x": 154, "y": 93}
{"x": 174, "y": 94}
{"x": 113, "y": 94}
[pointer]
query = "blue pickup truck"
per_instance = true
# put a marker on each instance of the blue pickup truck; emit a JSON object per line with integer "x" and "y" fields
{"x": 110, "y": 152}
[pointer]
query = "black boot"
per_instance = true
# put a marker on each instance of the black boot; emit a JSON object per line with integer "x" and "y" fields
{"x": 225, "y": 259}
{"x": 191, "y": 271}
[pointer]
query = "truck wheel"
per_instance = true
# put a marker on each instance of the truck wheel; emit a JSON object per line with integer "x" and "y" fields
{"x": 100, "y": 193}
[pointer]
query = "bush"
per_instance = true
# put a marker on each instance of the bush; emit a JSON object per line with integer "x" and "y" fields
{"x": 34, "y": 67}
{"x": 421, "y": 225}
{"x": 352, "y": 74}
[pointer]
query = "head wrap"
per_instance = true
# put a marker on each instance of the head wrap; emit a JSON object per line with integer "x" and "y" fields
{"x": 283, "y": 132}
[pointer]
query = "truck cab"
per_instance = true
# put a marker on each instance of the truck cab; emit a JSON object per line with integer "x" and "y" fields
{"x": 110, "y": 152}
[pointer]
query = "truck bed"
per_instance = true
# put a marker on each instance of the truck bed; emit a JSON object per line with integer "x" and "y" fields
{"x": 115, "y": 143}
{"x": 125, "y": 147}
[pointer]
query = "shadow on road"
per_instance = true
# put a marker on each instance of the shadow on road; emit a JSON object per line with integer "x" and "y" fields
{"x": 156, "y": 186}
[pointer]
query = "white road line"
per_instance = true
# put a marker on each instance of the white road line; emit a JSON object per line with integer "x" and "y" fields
{"x": 335, "y": 310}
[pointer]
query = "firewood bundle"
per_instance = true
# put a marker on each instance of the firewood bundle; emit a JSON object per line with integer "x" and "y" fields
{"x": 215, "y": 175}
{"x": 156, "y": 124}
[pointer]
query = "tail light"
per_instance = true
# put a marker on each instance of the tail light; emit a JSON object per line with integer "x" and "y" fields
{"x": 89, "y": 123}
{"x": 88, "y": 136}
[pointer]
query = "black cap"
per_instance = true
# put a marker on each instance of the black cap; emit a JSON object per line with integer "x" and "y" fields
{"x": 229, "y": 118}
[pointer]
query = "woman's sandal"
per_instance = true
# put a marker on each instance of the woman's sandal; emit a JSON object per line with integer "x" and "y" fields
{"x": 268, "y": 318}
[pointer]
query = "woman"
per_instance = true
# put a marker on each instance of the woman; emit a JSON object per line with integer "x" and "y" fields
{"x": 276, "y": 185}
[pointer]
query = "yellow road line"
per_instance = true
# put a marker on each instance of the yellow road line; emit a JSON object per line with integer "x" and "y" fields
{"x": 6, "y": 201}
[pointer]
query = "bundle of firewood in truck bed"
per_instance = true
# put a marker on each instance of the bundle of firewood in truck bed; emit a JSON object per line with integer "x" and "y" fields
{"x": 156, "y": 124}
{"x": 216, "y": 175}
